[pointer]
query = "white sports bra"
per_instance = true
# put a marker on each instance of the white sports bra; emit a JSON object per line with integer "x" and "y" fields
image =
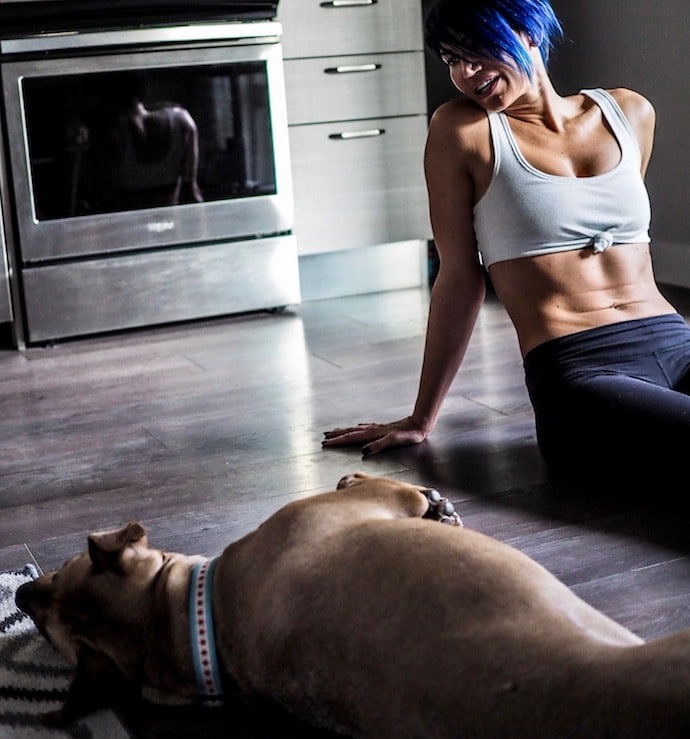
{"x": 526, "y": 212}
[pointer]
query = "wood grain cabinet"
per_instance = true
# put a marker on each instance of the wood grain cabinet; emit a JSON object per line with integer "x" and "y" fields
{"x": 357, "y": 116}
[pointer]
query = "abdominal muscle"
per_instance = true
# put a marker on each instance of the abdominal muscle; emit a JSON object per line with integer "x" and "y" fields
{"x": 553, "y": 295}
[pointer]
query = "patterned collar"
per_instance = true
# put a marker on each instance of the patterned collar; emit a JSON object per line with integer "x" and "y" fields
{"x": 203, "y": 635}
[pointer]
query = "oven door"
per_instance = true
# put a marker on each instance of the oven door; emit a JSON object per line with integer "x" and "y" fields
{"x": 74, "y": 151}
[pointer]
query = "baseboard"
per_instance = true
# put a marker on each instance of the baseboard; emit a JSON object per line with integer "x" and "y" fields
{"x": 371, "y": 269}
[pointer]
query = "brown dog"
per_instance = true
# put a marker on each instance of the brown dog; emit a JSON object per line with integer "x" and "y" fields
{"x": 355, "y": 612}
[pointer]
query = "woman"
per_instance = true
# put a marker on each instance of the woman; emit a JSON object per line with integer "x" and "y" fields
{"x": 549, "y": 191}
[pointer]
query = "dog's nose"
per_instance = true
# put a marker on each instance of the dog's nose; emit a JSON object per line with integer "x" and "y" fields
{"x": 32, "y": 597}
{"x": 21, "y": 597}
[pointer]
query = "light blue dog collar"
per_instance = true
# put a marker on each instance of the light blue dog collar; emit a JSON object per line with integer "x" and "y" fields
{"x": 203, "y": 635}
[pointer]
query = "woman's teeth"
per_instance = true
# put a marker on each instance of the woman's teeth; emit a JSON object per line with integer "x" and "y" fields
{"x": 483, "y": 88}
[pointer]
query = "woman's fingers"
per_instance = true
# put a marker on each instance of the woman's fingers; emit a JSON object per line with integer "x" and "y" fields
{"x": 394, "y": 438}
{"x": 360, "y": 434}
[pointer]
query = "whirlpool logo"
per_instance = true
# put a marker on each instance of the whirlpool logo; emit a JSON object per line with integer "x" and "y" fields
{"x": 160, "y": 227}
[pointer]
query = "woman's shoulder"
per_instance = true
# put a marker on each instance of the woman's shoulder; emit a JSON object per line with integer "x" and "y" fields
{"x": 637, "y": 108}
{"x": 462, "y": 121}
{"x": 458, "y": 111}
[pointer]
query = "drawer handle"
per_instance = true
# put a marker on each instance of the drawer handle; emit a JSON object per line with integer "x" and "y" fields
{"x": 357, "y": 134}
{"x": 348, "y": 68}
{"x": 347, "y": 3}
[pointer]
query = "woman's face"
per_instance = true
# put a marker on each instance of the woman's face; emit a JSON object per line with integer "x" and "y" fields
{"x": 490, "y": 83}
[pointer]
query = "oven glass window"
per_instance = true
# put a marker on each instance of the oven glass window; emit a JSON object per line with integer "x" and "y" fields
{"x": 125, "y": 140}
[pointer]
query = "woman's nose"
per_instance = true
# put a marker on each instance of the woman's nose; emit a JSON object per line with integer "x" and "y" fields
{"x": 469, "y": 68}
{"x": 462, "y": 72}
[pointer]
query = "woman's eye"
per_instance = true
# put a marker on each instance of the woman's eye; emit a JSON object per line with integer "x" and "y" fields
{"x": 451, "y": 61}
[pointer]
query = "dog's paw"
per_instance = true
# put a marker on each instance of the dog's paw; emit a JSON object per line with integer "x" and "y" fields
{"x": 441, "y": 509}
{"x": 349, "y": 480}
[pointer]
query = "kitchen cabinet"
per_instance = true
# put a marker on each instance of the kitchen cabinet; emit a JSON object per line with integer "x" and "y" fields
{"x": 357, "y": 119}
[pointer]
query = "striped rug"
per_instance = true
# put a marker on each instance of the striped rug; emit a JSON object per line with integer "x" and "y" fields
{"x": 34, "y": 677}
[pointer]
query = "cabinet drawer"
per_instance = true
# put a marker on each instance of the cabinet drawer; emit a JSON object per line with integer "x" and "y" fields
{"x": 359, "y": 184}
{"x": 320, "y": 28}
{"x": 352, "y": 87}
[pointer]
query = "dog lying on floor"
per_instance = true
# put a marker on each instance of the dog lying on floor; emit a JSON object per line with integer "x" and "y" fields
{"x": 359, "y": 613}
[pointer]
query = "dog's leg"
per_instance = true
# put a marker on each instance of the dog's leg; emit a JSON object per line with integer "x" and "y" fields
{"x": 406, "y": 499}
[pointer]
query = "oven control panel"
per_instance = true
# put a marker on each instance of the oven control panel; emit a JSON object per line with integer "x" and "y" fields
{"x": 30, "y": 17}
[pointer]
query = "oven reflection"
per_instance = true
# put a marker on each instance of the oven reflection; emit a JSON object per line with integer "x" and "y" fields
{"x": 127, "y": 140}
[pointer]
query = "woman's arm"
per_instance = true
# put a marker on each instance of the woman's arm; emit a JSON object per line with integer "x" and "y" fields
{"x": 458, "y": 290}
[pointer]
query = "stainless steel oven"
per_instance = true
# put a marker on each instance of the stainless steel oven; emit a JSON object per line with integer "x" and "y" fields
{"x": 150, "y": 175}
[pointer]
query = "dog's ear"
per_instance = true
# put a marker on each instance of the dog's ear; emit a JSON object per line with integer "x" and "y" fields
{"x": 97, "y": 683}
{"x": 108, "y": 549}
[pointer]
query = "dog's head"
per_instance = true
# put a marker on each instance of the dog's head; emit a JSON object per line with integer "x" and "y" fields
{"x": 95, "y": 610}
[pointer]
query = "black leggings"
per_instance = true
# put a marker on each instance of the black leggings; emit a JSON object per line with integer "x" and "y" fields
{"x": 614, "y": 399}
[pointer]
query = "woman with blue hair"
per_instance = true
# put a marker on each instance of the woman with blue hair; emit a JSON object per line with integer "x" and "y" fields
{"x": 547, "y": 193}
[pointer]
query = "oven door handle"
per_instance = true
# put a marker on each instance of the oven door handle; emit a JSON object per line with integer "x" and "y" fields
{"x": 350, "y": 68}
{"x": 369, "y": 133}
{"x": 347, "y": 3}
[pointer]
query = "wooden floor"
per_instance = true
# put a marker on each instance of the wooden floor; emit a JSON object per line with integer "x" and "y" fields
{"x": 200, "y": 431}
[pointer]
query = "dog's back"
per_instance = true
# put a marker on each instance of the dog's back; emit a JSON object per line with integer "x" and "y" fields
{"x": 380, "y": 625}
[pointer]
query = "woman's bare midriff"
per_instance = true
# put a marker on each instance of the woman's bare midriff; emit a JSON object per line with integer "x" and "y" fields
{"x": 557, "y": 294}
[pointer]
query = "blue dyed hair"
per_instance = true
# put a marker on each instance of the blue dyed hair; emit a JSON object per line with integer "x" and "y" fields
{"x": 490, "y": 28}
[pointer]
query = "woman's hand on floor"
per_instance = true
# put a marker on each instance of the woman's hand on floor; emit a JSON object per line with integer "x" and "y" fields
{"x": 375, "y": 437}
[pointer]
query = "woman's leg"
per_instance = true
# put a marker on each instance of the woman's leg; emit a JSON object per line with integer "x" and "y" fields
{"x": 619, "y": 427}
{"x": 613, "y": 401}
